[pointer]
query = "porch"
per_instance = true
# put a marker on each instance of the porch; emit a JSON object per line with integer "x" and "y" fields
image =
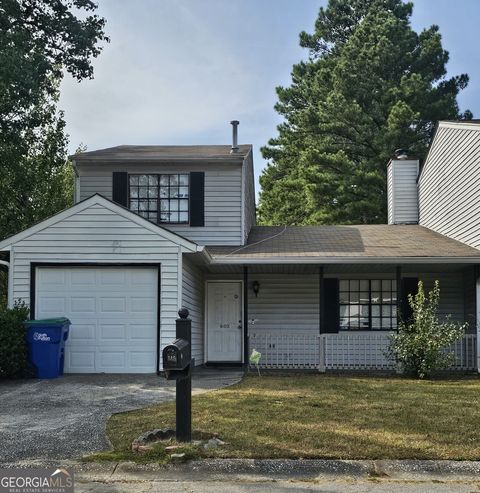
{"x": 327, "y": 317}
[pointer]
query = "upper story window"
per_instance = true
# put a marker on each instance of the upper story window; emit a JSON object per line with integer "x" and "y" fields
{"x": 368, "y": 304}
{"x": 161, "y": 198}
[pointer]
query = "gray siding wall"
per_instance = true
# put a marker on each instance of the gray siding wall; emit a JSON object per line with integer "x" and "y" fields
{"x": 193, "y": 298}
{"x": 450, "y": 183}
{"x": 402, "y": 191}
{"x": 97, "y": 234}
{"x": 285, "y": 302}
{"x": 223, "y": 200}
{"x": 249, "y": 212}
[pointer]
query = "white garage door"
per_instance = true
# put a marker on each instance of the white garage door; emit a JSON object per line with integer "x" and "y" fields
{"x": 113, "y": 311}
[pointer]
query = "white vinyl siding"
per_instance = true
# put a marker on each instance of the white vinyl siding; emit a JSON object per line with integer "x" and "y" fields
{"x": 99, "y": 235}
{"x": 285, "y": 302}
{"x": 402, "y": 191}
{"x": 450, "y": 182}
{"x": 193, "y": 299}
{"x": 223, "y": 199}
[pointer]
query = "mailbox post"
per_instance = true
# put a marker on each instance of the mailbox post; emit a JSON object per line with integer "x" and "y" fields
{"x": 178, "y": 365}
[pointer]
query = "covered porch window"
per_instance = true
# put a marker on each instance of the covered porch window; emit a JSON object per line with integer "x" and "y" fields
{"x": 368, "y": 304}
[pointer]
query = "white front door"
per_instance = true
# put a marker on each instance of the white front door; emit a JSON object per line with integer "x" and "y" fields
{"x": 224, "y": 322}
{"x": 113, "y": 311}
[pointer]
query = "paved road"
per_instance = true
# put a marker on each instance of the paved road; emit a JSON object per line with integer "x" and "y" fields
{"x": 326, "y": 486}
{"x": 65, "y": 418}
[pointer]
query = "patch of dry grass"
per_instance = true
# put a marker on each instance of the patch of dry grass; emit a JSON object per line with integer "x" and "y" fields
{"x": 317, "y": 416}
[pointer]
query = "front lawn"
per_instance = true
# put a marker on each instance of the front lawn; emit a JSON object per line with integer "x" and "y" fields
{"x": 316, "y": 416}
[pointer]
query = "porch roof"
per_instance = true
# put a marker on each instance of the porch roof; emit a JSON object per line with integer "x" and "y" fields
{"x": 354, "y": 244}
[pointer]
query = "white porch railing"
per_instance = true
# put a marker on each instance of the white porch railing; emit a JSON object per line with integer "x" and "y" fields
{"x": 284, "y": 349}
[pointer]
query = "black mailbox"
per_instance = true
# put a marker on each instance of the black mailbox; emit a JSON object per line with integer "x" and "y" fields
{"x": 177, "y": 355}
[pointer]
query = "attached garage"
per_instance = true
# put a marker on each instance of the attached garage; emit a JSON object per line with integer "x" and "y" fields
{"x": 114, "y": 315}
{"x": 115, "y": 275}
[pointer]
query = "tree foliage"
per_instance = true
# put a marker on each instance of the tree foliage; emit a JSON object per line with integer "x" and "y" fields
{"x": 40, "y": 40}
{"x": 371, "y": 84}
{"x": 420, "y": 344}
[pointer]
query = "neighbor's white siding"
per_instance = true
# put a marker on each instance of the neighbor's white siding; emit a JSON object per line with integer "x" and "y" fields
{"x": 97, "y": 234}
{"x": 193, "y": 298}
{"x": 402, "y": 191}
{"x": 449, "y": 185}
{"x": 223, "y": 200}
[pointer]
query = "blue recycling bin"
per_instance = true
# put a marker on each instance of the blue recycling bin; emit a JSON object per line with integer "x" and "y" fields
{"x": 46, "y": 345}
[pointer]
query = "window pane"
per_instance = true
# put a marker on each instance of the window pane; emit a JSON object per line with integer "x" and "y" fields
{"x": 344, "y": 297}
{"x": 354, "y": 310}
{"x": 164, "y": 217}
{"x": 344, "y": 322}
{"x": 354, "y": 323}
{"x": 143, "y": 205}
{"x": 174, "y": 217}
{"x": 183, "y": 179}
{"x": 387, "y": 297}
{"x": 364, "y": 323}
{"x": 386, "y": 323}
{"x": 152, "y": 180}
{"x": 375, "y": 311}
{"x": 143, "y": 180}
{"x": 133, "y": 192}
{"x": 152, "y": 205}
{"x": 386, "y": 285}
{"x": 134, "y": 205}
{"x": 354, "y": 297}
{"x": 343, "y": 311}
{"x": 343, "y": 285}
{"x": 376, "y": 323}
{"x": 375, "y": 285}
{"x": 173, "y": 180}
{"x": 364, "y": 285}
{"x": 153, "y": 216}
{"x": 386, "y": 310}
{"x": 164, "y": 205}
{"x": 183, "y": 205}
{"x": 143, "y": 192}
{"x": 375, "y": 297}
{"x": 354, "y": 285}
{"x": 183, "y": 192}
{"x": 173, "y": 205}
{"x": 163, "y": 192}
{"x": 183, "y": 217}
{"x": 394, "y": 311}
{"x": 152, "y": 192}
{"x": 364, "y": 297}
{"x": 364, "y": 309}
{"x": 173, "y": 192}
{"x": 164, "y": 180}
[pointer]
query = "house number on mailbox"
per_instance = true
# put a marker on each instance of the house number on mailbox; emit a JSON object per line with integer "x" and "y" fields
{"x": 224, "y": 326}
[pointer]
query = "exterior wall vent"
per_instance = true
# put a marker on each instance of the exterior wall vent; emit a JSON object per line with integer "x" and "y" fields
{"x": 402, "y": 189}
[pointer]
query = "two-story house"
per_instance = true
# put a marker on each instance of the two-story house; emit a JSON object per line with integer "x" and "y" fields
{"x": 155, "y": 228}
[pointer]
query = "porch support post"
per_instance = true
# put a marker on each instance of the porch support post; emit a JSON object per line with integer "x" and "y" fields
{"x": 321, "y": 320}
{"x": 246, "y": 351}
{"x": 398, "y": 279}
{"x": 477, "y": 313}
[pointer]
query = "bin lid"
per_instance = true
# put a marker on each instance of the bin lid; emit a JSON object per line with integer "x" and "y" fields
{"x": 48, "y": 321}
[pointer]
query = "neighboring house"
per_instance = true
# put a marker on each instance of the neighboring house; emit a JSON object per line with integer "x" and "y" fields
{"x": 155, "y": 228}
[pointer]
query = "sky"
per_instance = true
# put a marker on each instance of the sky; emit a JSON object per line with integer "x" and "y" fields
{"x": 177, "y": 71}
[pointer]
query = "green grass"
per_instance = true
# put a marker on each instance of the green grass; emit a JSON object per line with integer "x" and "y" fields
{"x": 315, "y": 416}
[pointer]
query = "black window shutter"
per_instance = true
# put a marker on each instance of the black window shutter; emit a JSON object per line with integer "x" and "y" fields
{"x": 409, "y": 286}
{"x": 120, "y": 188}
{"x": 197, "y": 198}
{"x": 330, "y": 316}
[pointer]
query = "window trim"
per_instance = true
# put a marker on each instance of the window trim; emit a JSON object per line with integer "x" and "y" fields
{"x": 370, "y": 304}
{"x": 159, "y": 199}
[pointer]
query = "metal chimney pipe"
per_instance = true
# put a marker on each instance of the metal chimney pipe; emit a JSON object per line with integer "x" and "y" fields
{"x": 234, "y": 124}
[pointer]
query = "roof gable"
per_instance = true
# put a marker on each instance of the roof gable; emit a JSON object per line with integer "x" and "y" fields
{"x": 95, "y": 201}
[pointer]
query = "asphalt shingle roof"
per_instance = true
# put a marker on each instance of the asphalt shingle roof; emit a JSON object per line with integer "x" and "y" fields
{"x": 345, "y": 241}
{"x": 158, "y": 153}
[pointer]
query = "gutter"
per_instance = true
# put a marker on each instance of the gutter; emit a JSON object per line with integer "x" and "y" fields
{"x": 340, "y": 260}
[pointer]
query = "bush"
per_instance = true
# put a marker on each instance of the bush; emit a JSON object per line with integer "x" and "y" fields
{"x": 13, "y": 347}
{"x": 419, "y": 345}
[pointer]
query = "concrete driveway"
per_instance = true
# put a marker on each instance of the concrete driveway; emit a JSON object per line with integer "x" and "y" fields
{"x": 65, "y": 418}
